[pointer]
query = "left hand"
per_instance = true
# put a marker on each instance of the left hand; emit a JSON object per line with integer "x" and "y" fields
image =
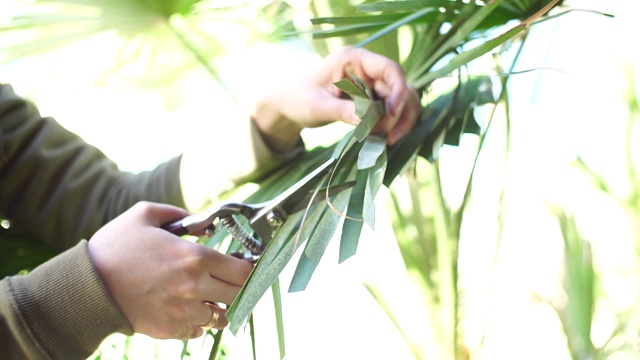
{"x": 313, "y": 100}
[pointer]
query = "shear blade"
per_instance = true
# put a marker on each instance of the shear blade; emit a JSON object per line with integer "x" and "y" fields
{"x": 321, "y": 195}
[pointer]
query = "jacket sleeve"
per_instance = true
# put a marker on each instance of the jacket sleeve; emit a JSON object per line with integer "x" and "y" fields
{"x": 61, "y": 188}
{"x": 60, "y": 310}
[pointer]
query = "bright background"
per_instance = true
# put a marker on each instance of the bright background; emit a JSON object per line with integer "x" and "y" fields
{"x": 573, "y": 104}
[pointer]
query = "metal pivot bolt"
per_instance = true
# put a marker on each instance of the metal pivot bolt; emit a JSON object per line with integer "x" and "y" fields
{"x": 274, "y": 218}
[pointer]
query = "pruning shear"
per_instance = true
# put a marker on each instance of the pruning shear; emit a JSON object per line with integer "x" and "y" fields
{"x": 263, "y": 218}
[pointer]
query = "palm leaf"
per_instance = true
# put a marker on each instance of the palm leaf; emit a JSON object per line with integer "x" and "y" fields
{"x": 154, "y": 40}
{"x": 427, "y": 19}
{"x": 441, "y": 122}
{"x": 441, "y": 31}
{"x": 318, "y": 228}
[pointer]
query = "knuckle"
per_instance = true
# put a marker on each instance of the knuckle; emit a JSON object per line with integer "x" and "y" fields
{"x": 142, "y": 207}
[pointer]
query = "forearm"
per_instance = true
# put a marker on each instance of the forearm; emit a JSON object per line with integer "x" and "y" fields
{"x": 61, "y": 188}
{"x": 237, "y": 154}
{"x": 60, "y": 310}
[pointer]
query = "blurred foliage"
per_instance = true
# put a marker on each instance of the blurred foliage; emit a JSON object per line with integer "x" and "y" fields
{"x": 584, "y": 282}
{"x": 151, "y": 42}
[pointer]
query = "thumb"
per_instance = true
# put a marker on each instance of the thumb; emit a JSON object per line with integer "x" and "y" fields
{"x": 157, "y": 214}
{"x": 338, "y": 109}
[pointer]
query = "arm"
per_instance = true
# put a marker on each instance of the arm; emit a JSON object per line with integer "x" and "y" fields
{"x": 304, "y": 100}
{"x": 311, "y": 99}
{"x": 132, "y": 276}
{"x": 63, "y": 190}
{"x": 60, "y": 188}
{"x": 66, "y": 209}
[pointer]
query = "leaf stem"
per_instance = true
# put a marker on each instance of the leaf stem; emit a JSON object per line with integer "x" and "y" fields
{"x": 277, "y": 304}
{"x": 447, "y": 251}
{"x": 217, "y": 340}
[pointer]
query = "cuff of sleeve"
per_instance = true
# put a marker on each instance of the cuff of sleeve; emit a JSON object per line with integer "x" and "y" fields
{"x": 209, "y": 170}
{"x": 65, "y": 307}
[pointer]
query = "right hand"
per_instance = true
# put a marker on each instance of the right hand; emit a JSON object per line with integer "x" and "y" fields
{"x": 160, "y": 281}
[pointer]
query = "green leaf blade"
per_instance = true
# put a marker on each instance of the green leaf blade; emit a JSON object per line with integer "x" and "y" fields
{"x": 372, "y": 149}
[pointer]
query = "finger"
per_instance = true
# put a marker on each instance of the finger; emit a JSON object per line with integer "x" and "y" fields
{"x": 193, "y": 332}
{"x": 227, "y": 268}
{"x": 334, "y": 108}
{"x": 404, "y": 125}
{"x": 386, "y": 75}
{"x": 389, "y": 122}
{"x": 222, "y": 318}
{"x": 221, "y": 291}
{"x": 408, "y": 118}
{"x": 158, "y": 214}
{"x": 216, "y": 317}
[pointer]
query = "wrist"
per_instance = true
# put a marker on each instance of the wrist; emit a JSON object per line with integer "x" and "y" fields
{"x": 278, "y": 132}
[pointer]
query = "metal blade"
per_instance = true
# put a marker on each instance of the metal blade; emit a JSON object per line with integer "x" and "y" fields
{"x": 292, "y": 197}
{"x": 322, "y": 195}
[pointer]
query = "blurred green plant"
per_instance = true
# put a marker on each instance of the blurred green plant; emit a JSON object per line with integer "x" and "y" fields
{"x": 579, "y": 285}
{"x": 443, "y": 121}
{"x": 152, "y": 42}
{"x": 581, "y": 278}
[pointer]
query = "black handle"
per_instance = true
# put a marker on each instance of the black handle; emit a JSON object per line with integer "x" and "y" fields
{"x": 176, "y": 228}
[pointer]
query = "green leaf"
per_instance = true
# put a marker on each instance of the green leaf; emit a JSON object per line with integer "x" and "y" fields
{"x": 373, "y": 147}
{"x": 358, "y": 20}
{"x": 352, "y": 226}
{"x": 369, "y": 205}
{"x": 368, "y": 110}
{"x": 277, "y": 304}
{"x": 326, "y": 227}
{"x": 349, "y": 30}
{"x": 345, "y": 143}
{"x": 302, "y": 275}
{"x": 382, "y": 25}
{"x": 351, "y": 230}
{"x": 352, "y": 88}
{"x": 376, "y": 175}
{"x": 406, "y": 5}
{"x": 395, "y": 25}
{"x": 374, "y": 182}
{"x": 320, "y": 236}
{"x": 579, "y": 284}
{"x": 374, "y": 112}
{"x": 466, "y": 57}
{"x": 273, "y": 260}
{"x": 470, "y": 18}
{"x": 405, "y": 149}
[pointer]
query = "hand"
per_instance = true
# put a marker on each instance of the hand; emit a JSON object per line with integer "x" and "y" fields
{"x": 312, "y": 100}
{"x": 160, "y": 281}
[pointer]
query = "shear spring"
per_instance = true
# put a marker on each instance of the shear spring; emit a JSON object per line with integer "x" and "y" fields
{"x": 241, "y": 235}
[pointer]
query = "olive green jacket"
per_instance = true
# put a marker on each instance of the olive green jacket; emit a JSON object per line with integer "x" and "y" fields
{"x": 62, "y": 190}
